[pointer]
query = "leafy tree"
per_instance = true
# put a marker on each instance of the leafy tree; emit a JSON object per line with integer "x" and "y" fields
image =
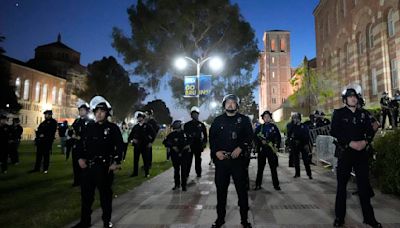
{"x": 160, "y": 111}
{"x": 109, "y": 79}
{"x": 163, "y": 29}
{"x": 8, "y": 99}
{"x": 314, "y": 88}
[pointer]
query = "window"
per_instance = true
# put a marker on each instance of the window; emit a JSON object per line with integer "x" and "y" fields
{"x": 26, "y": 89}
{"x": 391, "y": 28}
{"x": 273, "y": 74}
{"x": 44, "y": 93}
{"x": 273, "y": 45}
{"x": 18, "y": 87}
{"x": 370, "y": 36}
{"x": 273, "y": 60}
{"x": 337, "y": 13}
{"x": 273, "y": 90}
{"x": 344, "y": 7}
{"x": 37, "y": 92}
{"x": 54, "y": 95}
{"x": 360, "y": 45}
{"x": 347, "y": 53}
{"x": 60, "y": 95}
{"x": 283, "y": 45}
{"x": 273, "y": 100}
{"x": 394, "y": 74}
{"x": 374, "y": 83}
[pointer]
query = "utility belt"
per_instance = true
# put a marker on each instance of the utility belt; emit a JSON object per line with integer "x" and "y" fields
{"x": 98, "y": 161}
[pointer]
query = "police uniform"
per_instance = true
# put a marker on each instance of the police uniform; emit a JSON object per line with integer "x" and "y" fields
{"x": 102, "y": 147}
{"x": 17, "y": 131}
{"x": 298, "y": 136}
{"x": 153, "y": 123}
{"x": 197, "y": 133}
{"x": 143, "y": 133}
{"x": 385, "y": 111}
{"x": 226, "y": 134}
{"x": 346, "y": 127}
{"x": 178, "y": 144}
{"x": 5, "y": 133}
{"x": 79, "y": 129}
{"x": 268, "y": 139}
{"x": 45, "y": 135}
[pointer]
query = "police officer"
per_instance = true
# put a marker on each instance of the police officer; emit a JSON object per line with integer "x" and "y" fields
{"x": 100, "y": 157}
{"x": 45, "y": 135}
{"x": 141, "y": 137}
{"x": 298, "y": 135}
{"x": 197, "y": 133}
{"x": 156, "y": 127}
{"x": 322, "y": 121}
{"x": 17, "y": 131}
{"x": 385, "y": 109}
{"x": 230, "y": 135}
{"x": 79, "y": 129}
{"x": 62, "y": 129}
{"x": 268, "y": 140}
{"x": 352, "y": 128}
{"x": 179, "y": 147}
{"x": 5, "y": 133}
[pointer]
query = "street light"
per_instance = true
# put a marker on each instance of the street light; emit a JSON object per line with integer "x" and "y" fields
{"x": 215, "y": 64}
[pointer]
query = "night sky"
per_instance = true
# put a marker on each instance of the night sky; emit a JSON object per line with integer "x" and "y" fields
{"x": 86, "y": 25}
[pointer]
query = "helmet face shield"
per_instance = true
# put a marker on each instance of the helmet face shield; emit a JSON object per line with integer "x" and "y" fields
{"x": 99, "y": 102}
{"x": 233, "y": 98}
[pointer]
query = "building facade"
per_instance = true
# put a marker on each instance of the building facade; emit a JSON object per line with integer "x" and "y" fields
{"x": 39, "y": 88}
{"x": 274, "y": 70}
{"x": 358, "y": 41}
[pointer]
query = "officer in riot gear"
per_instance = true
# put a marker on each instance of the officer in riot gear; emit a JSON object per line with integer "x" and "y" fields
{"x": 100, "y": 157}
{"x": 141, "y": 137}
{"x": 17, "y": 131}
{"x": 156, "y": 127}
{"x": 197, "y": 133}
{"x": 385, "y": 109}
{"x": 5, "y": 136}
{"x": 298, "y": 136}
{"x": 179, "y": 146}
{"x": 268, "y": 140}
{"x": 230, "y": 135}
{"x": 351, "y": 126}
{"x": 78, "y": 132}
{"x": 45, "y": 135}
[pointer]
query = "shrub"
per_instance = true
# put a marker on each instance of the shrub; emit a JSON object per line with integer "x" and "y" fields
{"x": 387, "y": 166}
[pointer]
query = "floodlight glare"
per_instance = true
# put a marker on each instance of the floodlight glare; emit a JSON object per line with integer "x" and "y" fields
{"x": 180, "y": 63}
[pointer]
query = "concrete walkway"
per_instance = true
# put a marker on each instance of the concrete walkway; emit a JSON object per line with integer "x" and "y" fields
{"x": 301, "y": 203}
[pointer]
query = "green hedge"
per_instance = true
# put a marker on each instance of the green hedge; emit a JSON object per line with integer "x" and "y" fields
{"x": 387, "y": 166}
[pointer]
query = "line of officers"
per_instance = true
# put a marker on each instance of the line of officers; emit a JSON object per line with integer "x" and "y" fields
{"x": 10, "y": 138}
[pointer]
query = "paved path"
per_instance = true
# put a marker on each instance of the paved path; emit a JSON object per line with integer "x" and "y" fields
{"x": 301, "y": 203}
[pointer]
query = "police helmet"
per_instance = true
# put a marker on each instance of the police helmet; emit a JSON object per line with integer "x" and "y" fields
{"x": 149, "y": 112}
{"x": 266, "y": 112}
{"x": 99, "y": 102}
{"x": 231, "y": 97}
{"x": 296, "y": 115}
{"x": 352, "y": 90}
{"x": 49, "y": 112}
{"x": 195, "y": 109}
{"x": 82, "y": 104}
{"x": 140, "y": 115}
{"x": 176, "y": 124}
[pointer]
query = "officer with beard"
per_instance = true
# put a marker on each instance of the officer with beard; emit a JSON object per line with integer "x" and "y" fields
{"x": 268, "y": 140}
{"x": 197, "y": 133}
{"x": 298, "y": 136}
{"x": 230, "y": 136}
{"x": 179, "y": 146}
{"x": 100, "y": 157}
{"x": 351, "y": 126}
{"x": 79, "y": 128}
{"x": 45, "y": 135}
{"x": 141, "y": 137}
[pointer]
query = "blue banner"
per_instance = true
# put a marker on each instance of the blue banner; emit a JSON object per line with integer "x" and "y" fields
{"x": 190, "y": 84}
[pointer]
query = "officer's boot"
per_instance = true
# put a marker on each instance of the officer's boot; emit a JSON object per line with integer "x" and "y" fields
{"x": 246, "y": 225}
{"x": 338, "y": 222}
{"x": 218, "y": 223}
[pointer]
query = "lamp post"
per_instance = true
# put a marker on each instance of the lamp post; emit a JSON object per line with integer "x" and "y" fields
{"x": 215, "y": 64}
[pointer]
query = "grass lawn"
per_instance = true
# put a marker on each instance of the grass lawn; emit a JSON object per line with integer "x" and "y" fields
{"x": 49, "y": 200}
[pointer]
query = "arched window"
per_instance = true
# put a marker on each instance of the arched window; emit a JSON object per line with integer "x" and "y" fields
{"x": 54, "y": 95}
{"x": 370, "y": 36}
{"x": 347, "y": 52}
{"x": 283, "y": 45}
{"x": 273, "y": 45}
{"x": 44, "y": 93}
{"x": 337, "y": 12}
{"x": 391, "y": 27}
{"x": 18, "y": 87}
{"x": 37, "y": 92}
{"x": 60, "y": 95}
{"x": 344, "y": 7}
{"x": 26, "y": 89}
